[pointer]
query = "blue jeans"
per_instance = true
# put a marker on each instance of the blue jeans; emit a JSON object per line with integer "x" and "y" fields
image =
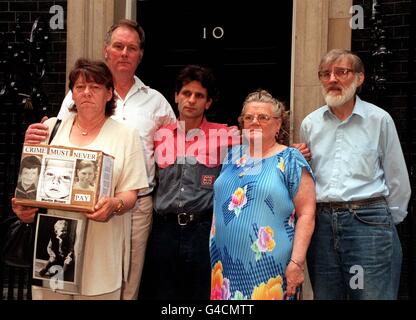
{"x": 355, "y": 254}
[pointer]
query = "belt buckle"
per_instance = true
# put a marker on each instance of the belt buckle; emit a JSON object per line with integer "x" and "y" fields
{"x": 184, "y": 218}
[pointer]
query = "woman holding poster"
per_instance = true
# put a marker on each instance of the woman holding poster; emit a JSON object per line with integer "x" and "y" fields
{"x": 107, "y": 237}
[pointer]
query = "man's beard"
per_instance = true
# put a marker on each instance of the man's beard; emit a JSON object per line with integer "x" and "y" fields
{"x": 346, "y": 95}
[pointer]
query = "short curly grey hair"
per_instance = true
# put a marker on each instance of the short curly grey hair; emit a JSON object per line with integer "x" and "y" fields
{"x": 278, "y": 110}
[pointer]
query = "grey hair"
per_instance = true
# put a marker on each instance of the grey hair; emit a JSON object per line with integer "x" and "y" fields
{"x": 264, "y": 96}
{"x": 126, "y": 23}
{"x": 337, "y": 54}
{"x": 278, "y": 110}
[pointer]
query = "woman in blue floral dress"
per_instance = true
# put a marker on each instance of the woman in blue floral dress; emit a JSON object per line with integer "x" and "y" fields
{"x": 264, "y": 210}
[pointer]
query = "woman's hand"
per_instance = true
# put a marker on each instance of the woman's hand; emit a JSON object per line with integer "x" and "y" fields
{"x": 294, "y": 278}
{"x": 37, "y": 132}
{"x": 26, "y": 214}
{"x": 106, "y": 206}
{"x": 104, "y": 209}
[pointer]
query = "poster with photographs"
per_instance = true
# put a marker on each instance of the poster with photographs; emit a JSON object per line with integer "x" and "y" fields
{"x": 59, "y": 251}
{"x": 55, "y": 184}
{"x": 63, "y": 178}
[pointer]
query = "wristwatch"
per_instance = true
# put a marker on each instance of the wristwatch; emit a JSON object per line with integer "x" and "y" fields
{"x": 119, "y": 207}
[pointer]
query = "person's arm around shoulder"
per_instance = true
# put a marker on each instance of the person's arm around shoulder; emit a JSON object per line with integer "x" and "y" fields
{"x": 303, "y": 148}
{"x": 305, "y": 202}
{"x": 37, "y": 133}
{"x": 165, "y": 114}
{"x": 66, "y": 104}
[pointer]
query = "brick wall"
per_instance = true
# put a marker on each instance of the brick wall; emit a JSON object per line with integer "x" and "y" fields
{"x": 398, "y": 22}
{"x": 13, "y": 117}
{"x": 396, "y": 16}
{"x": 27, "y": 12}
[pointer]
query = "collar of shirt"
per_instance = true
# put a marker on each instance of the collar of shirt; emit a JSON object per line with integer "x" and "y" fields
{"x": 136, "y": 87}
{"x": 204, "y": 126}
{"x": 207, "y": 144}
{"x": 359, "y": 110}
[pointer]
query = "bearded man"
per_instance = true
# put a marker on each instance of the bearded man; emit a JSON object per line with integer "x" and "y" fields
{"x": 362, "y": 188}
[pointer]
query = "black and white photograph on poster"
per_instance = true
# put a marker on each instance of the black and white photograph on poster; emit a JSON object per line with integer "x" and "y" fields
{"x": 27, "y": 181}
{"x": 58, "y": 257}
{"x": 86, "y": 171}
{"x": 56, "y": 180}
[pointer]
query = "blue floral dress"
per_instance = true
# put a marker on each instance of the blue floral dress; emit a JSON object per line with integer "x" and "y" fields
{"x": 253, "y": 224}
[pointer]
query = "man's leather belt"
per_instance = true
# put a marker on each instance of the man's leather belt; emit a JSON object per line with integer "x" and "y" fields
{"x": 184, "y": 218}
{"x": 352, "y": 204}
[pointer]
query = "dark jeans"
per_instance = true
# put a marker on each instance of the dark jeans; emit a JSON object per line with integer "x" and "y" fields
{"x": 355, "y": 254}
{"x": 177, "y": 262}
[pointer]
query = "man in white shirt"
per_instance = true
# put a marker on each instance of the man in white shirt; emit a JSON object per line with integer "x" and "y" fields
{"x": 362, "y": 188}
{"x": 140, "y": 107}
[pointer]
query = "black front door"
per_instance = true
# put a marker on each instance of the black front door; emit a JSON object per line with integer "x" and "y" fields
{"x": 248, "y": 46}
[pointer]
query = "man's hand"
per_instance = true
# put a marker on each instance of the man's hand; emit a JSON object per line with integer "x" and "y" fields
{"x": 303, "y": 148}
{"x": 37, "y": 132}
{"x": 26, "y": 214}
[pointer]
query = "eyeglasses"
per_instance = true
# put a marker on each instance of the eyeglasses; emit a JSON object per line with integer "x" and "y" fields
{"x": 339, "y": 73}
{"x": 261, "y": 118}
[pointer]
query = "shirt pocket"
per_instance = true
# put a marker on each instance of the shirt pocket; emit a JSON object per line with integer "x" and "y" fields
{"x": 206, "y": 177}
{"x": 364, "y": 163}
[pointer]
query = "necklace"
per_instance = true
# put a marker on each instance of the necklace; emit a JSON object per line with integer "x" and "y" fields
{"x": 85, "y": 132}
